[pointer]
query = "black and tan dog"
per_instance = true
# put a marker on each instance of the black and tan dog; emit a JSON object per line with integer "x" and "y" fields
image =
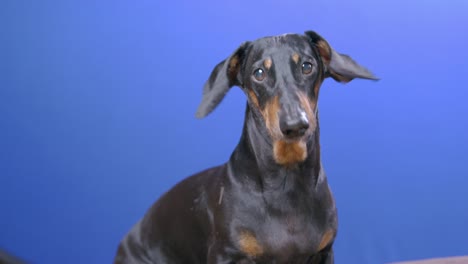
{"x": 270, "y": 203}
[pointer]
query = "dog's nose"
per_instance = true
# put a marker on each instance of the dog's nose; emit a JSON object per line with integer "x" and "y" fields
{"x": 293, "y": 128}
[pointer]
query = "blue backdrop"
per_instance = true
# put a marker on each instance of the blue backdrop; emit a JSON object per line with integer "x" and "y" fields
{"x": 97, "y": 103}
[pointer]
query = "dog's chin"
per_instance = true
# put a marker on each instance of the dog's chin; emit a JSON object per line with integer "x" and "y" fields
{"x": 289, "y": 152}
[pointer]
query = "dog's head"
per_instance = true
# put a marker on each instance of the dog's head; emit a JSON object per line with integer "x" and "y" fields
{"x": 281, "y": 77}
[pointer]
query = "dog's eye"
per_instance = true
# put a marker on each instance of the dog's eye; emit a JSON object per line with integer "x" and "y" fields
{"x": 259, "y": 74}
{"x": 306, "y": 68}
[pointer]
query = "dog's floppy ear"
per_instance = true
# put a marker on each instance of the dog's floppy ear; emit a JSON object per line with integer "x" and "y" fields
{"x": 340, "y": 67}
{"x": 224, "y": 76}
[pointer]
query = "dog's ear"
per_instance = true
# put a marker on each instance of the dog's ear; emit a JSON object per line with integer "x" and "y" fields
{"x": 224, "y": 76}
{"x": 340, "y": 67}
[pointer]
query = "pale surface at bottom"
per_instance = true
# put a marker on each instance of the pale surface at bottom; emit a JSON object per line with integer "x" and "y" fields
{"x": 451, "y": 260}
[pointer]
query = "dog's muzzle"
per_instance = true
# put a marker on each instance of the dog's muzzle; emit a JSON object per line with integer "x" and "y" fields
{"x": 294, "y": 125}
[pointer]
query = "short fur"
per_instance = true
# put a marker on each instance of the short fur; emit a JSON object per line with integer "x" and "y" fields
{"x": 270, "y": 203}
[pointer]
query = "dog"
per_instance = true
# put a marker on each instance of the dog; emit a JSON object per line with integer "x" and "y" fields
{"x": 271, "y": 202}
{"x": 8, "y": 258}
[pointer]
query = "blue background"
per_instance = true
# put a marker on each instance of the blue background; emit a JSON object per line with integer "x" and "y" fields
{"x": 97, "y": 103}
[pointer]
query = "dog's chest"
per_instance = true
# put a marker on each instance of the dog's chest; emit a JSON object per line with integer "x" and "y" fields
{"x": 285, "y": 238}
{"x": 278, "y": 227}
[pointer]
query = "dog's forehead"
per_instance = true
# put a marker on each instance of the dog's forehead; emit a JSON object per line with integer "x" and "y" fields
{"x": 283, "y": 43}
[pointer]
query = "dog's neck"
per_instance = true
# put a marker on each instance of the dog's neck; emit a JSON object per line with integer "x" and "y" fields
{"x": 253, "y": 159}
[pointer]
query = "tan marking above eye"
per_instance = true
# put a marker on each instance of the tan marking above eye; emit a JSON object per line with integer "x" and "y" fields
{"x": 295, "y": 57}
{"x": 267, "y": 63}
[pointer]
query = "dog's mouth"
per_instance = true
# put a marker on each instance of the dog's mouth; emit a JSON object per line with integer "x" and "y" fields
{"x": 291, "y": 136}
{"x": 294, "y": 134}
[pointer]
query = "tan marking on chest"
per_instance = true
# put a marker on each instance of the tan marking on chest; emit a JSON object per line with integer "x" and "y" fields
{"x": 326, "y": 239}
{"x": 288, "y": 153}
{"x": 249, "y": 245}
{"x": 267, "y": 63}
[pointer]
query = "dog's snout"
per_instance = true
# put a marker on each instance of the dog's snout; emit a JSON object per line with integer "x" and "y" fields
{"x": 294, "y": 127}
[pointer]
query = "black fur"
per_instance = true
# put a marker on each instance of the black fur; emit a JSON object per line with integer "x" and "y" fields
{"x": 285, "y": 210}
